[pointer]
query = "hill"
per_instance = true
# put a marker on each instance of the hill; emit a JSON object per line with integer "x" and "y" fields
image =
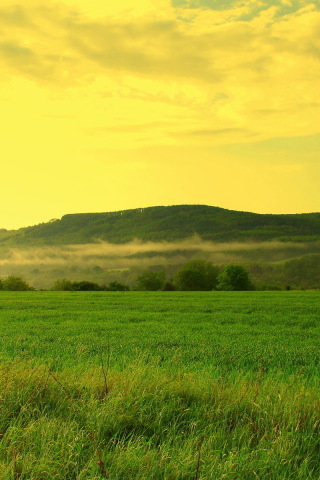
{"x": 170, "y": 223}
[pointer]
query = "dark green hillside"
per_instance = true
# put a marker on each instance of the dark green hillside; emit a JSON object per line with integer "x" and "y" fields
{"x": 167, "y": 223}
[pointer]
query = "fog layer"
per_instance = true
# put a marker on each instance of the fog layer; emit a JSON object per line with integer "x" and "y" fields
{"x": 148, "y": 253}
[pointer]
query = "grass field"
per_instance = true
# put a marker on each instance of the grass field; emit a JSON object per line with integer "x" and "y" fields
{"x": 164, "y": 385}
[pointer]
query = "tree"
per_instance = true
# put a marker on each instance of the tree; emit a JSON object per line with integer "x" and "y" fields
{"x": 188, "y": 279}
{"x": 117, "y": 287}
{"x": 63, "y": 284}
{"x": 1, "y": 285}
{"x": 235, "y": 278}
{"x": 151, "y": 281}
{"x": 16, "y": 284}
{"x": 169, "y": 287}
{"x": 85, "y": 286}
{"x": 196, "y": 275}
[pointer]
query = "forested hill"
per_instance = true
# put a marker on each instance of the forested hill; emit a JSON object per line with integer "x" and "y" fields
{"x": 167, "y": 223}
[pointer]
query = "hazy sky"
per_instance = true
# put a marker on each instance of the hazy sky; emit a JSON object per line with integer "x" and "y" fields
{"x": 114, "y": 105}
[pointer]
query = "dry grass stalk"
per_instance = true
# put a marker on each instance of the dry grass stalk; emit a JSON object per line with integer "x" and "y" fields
{"x": 100, "y": 461}
{"x": 198, "y": 462}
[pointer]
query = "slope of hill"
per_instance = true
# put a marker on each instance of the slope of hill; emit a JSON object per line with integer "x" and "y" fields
{"x": 167, "y": 223}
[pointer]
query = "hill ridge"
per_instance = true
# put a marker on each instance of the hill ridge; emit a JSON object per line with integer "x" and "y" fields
{"x": 170, "y": 223}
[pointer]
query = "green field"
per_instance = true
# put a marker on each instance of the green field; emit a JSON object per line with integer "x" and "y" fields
{"x": 164, "y": 385}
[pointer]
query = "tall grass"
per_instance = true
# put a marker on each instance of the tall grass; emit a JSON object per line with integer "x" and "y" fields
{"x": 209, "y": 386}
{"x": 151, "y": 425}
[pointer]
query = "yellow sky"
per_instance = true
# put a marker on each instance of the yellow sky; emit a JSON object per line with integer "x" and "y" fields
{"x": 114, "y": 105}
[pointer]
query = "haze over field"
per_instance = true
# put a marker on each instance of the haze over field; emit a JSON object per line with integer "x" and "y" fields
{"x": 136, "y": 253}
{"x": 276, "y": 263}
{"x": 116, "y": 105}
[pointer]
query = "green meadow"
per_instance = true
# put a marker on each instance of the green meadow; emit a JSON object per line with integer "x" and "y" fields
{"x": 159, "y": 385}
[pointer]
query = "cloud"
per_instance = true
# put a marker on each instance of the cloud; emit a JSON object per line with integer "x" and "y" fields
{"x": 68, "y": 46}
{"x": 125, "y": 128}
{"x": 16, "y": 16}
{"x": 246, "y": 10}
{"x": 214, "y": 132}
{"x": 156, "y": 49}
{"x": 62, "y": 47}
{"x": 14, "y": 51}
{"x": 217, "y": 74}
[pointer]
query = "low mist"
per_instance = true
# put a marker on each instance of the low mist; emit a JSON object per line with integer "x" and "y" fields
{"x": 145, "y": 253}
{"x": 103, "y": 262}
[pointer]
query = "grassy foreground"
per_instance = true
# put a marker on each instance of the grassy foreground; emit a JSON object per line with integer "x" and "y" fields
{"x": 169, "y": 385}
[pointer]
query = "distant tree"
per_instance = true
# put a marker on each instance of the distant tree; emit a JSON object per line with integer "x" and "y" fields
{"x": 196, "y": 275}
{"x": 188, "y": 279}
{"x": 17, "y": 284}
{"x": 1, "y": 285}
{"x": 35, "y": 271}
{"x": 151, "y": 281}
{"x": 85, "y": 286}
{"x": 234, "y": 278}
{"x": 97, "y": 270}
{"x": 117, "y": 287}
{"x": 63, "y": 284}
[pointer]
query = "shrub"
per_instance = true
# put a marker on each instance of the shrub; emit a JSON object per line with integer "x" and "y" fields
{"x": 169, "y": 287}
{"x": 16, "y": 284}
{"x": 85, "y": 286}
{"x": 151, "y": 281}
{"x": 117, "y": 287}
{"x": 63, "y": 284}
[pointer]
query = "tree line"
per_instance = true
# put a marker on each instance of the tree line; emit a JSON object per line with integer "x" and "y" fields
{"x": 196, "y": 275}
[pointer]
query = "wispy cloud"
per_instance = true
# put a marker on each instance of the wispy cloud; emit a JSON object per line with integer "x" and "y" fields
{"x": 206, "y": 70}
{"x": 125, "y": 128}
{"x": 60, "y": 44}
{"x": 214, "y": 132}
{"x": 246, "y": 10}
